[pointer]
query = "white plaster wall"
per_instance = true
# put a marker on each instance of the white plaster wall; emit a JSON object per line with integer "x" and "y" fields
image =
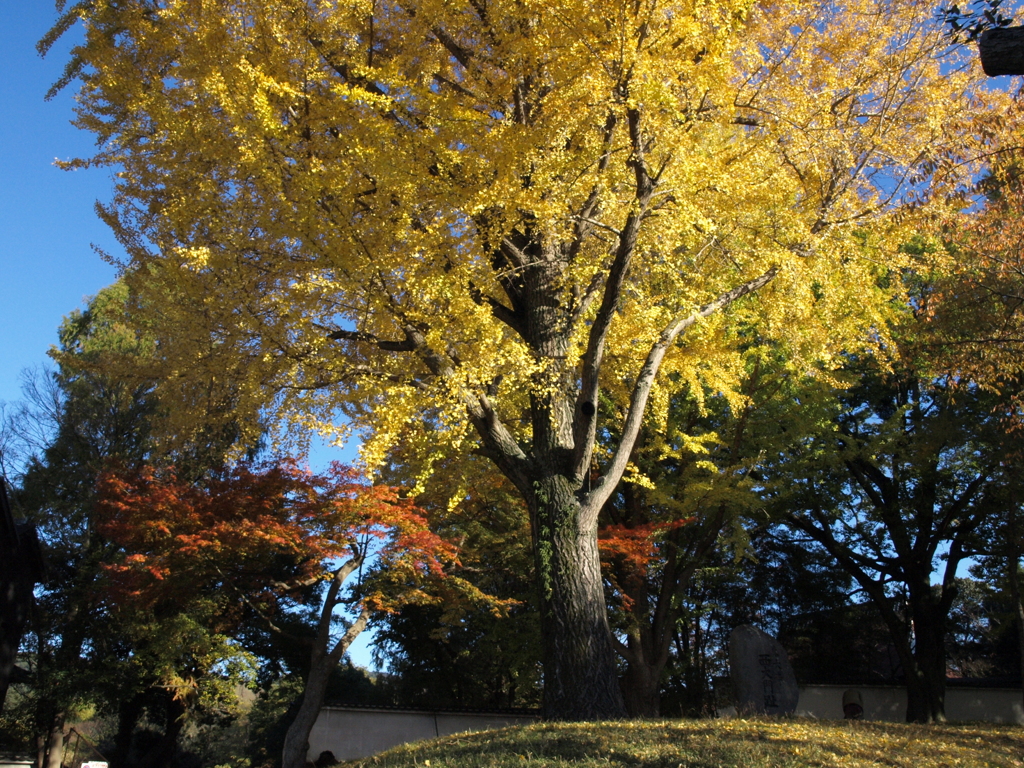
{"x": 826, "y": 702}
{"x": 449, "y": 723}
{"x": 994, "y": 705}
{"x": 889, "y": 703}
{"x": 355, "y": 733}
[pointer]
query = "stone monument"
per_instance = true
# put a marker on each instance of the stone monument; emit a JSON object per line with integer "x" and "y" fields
{"x": 763, "y": 682}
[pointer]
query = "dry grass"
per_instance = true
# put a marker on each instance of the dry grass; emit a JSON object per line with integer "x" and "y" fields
{"x": 717, "y": 744}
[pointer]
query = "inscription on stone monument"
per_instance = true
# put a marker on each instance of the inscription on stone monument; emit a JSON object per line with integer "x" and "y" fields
{"x": 762, "y": 678}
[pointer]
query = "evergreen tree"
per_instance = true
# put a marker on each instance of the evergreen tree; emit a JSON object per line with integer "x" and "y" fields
{"x": 82, "y": 419}
{"x": 903, "y": 472}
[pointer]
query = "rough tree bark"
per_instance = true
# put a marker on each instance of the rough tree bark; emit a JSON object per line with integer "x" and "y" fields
{"x": 926, "y": 669}
{"x": 576, "y": 638}
{"x": 53, "y": 744}
{"x": 1002, "y": 51}
{"x": 581, "y": 679}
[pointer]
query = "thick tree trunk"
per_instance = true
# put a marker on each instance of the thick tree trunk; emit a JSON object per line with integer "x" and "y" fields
{"x": 55, "y": 743}
{"x": 924, "y": 661}
{"x": 296, "y": 740}
{"x": 128, "y": 713}
{"x": 1002, "y": 51}
{"x": 926, "y": 697}
{"x": 162, "y": 754}
{"x": 580, "y": 673}
{"x": 641, "y": 688}
{"x": 926, "y": 677}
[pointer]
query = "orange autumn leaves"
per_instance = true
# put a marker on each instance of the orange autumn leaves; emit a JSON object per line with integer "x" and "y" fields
{"x": 265, "y": 531}
{"x": 628, "y": 552}
{"x": 261, "y": 532}
{"x": 975, "y": 314}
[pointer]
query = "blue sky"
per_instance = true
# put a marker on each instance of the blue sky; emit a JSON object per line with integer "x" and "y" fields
{"x": 47, "y": 223}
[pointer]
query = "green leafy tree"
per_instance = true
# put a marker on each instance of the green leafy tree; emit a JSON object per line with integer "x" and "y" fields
{"x": 470, "y": 653}
{"x": 75, "y": 420}
{"x": 902, "y": 474}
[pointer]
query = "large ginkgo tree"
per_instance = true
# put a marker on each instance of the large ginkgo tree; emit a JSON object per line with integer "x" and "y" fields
{"x": 509, "y": 225}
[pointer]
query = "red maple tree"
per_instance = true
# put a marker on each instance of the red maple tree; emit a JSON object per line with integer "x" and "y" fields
{"x": 256, "y": 536}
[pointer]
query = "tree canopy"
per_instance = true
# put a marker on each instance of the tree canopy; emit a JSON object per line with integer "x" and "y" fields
{"x": 196, "y": 561}
{"x": 461, "y": 222}
{"x": 894, "y": 489}
{"x": 76, "y": 419}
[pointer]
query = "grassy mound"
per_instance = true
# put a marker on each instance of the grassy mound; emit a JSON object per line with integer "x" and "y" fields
{"x": 716, "y": 744}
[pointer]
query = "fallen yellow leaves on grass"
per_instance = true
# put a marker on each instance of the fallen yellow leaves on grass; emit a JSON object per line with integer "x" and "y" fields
{"x": 760, "y": 743}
